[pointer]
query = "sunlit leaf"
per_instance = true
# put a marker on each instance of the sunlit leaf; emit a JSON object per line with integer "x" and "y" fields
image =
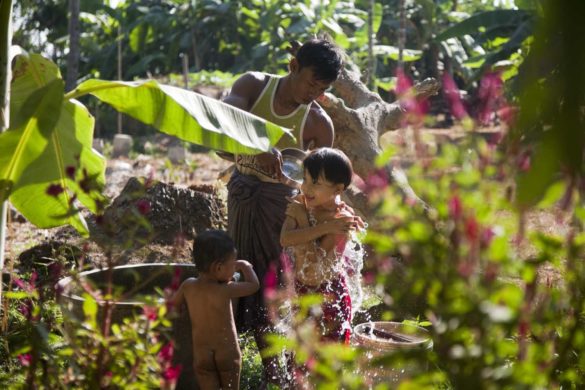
{"x": 188, "y": 115}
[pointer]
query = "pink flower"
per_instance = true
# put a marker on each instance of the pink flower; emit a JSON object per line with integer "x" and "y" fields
{"x": 143, "y": 206}
{"x": 172, "y": 373}
{"x": 524, "y": 162}
{"x": 455, "y": 207}
{"x": 413, "y": 109}
{"x": 487, "y": 235}
{"x": 465, "y": 269}
{"x": 150, "y": 312}
{"x": 25, "y": 359}
{"x": 270, "y": 282}
{"x": 54, "y": 190}
{"x": 508, "y": 114}
{"x": 369, "y": 278}
{"x": 378, "y": 180}
{"x": 453, "y": 97}
{"x": 523, "y": 328}
{"x": 471, "y": 229}
{"x": 490, "y": 95}
{"x": 166, "y": 352}
{"x": 176, "y": 281}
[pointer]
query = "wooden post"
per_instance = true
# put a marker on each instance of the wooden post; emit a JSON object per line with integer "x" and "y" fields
{"x": 185, "y": 58}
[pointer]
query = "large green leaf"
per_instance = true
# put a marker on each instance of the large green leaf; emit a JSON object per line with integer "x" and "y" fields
{"x": 392, "y": 52}
{"x": 485, "y": 20}
{"x": 30, "y": 73}
{"x": 188, "y": 115}
{"x": 48, "y": 144}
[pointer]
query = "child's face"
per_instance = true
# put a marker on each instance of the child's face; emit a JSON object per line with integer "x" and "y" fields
{"x": 320, "y": 193}
{"x": 225, "y": 270}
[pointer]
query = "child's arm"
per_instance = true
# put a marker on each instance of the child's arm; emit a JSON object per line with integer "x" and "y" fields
{"x": 331, "y": 241}
{"x": 178, "y": 297}
{"x": 290, "y": 235}
{"x": 250, "y": 284}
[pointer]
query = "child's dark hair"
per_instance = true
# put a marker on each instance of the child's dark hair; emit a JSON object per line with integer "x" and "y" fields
{"x": 211, "y": 246}
{"x": 324, "y": 57}
{"x": 334, "y": 164}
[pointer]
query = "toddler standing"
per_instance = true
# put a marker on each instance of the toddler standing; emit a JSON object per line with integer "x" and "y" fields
{"x": 216, "y": 352}
{"x": 316, "y": 231}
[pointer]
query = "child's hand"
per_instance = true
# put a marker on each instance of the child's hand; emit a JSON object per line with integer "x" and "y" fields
{"x": 340, "y": 224}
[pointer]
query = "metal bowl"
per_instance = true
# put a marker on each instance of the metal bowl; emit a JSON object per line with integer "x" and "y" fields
{"x": 292, "y": 165}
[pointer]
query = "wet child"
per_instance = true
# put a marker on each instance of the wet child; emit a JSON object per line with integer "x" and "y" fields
{"x": 217, "y": 355}
{"x": 315, "y": 233}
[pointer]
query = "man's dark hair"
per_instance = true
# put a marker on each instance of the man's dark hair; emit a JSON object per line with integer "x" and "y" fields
{"x": 324, "y": 57}
{"x": 334, "y": 164}
{"x": 211, "y": 246}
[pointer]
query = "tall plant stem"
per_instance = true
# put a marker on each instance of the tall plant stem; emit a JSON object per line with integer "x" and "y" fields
{"x": 5, "y": 76}
{"x": 401, "y": 34}
{"x": 371, "y": 59}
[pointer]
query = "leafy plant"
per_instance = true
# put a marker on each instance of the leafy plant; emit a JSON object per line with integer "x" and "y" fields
{"x": 47, "y": 162}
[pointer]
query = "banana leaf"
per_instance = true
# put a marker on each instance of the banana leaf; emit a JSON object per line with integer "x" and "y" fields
{"x": 187, "y": 115}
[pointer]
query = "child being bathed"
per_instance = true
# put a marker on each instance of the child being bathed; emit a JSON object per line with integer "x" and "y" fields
{"x": 316, "y": 230}
{"x": 216, "y": 353}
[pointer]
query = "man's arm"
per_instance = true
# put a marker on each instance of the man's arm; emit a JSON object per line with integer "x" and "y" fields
{"x": 318, "y": 131}
{"x": 246, "y": 90}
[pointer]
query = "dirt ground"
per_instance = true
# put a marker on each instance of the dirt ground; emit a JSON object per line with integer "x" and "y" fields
{"x": 205, "y": 168}
{"x": 199, "y": 168}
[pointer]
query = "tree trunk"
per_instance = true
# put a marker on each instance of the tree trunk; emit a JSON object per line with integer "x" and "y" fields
{"x": 5, "y": 76}
{"x": 73, "y": 56}
{"x": 360, "y": 117}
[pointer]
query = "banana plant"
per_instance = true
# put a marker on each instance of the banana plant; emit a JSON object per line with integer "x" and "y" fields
{"x": 47, "y": 163}
{"x": 504, "y": 29}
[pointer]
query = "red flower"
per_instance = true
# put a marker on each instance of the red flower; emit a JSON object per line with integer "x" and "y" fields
{"x": 523, "y": 328}
{"x": 524, "y": 162}
{"x": 465, "y": 269}
{"x": 490, "y": 95}
{"x": 166, "y": 352}
{"x": 508, "y": 114}
{"x": 487, "y": 235}
{"x": 176, "y": 281}
{"x": 453, "y": 97}
{"x": 70, "y": 171}
{"x": 172, "y": 373}
{"x": 150, "y": 312}
{"x": 25, "y": 359}
{"x": 143, "y": 206}
{"x": 413, "y": 109}
{"x": 376, "y": 181}
{"x": 471, "y": 229}
{"x": 270, "y": 282}
{"x": 54, "y": 190}
{"x": 455, "y": 207}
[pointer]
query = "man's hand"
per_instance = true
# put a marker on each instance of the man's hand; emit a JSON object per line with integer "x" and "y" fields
{"x": 271, "y": 163}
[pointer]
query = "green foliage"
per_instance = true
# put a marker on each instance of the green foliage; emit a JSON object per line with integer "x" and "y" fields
{"x": 549, "y": 128}
{"x": 495, "y": 322}
{"x": 47, "y": 163}
{"x": 48, "y": 144}
{"x": 186, "y": 115}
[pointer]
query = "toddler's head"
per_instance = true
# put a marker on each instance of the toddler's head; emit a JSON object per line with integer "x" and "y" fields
{"x": 332, "y": 164}
{"x": 328, "y": 172}
{"x": 214, "y": 251}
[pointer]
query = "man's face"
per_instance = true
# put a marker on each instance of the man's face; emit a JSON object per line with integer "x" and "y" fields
{"x": 306, "y": 87}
